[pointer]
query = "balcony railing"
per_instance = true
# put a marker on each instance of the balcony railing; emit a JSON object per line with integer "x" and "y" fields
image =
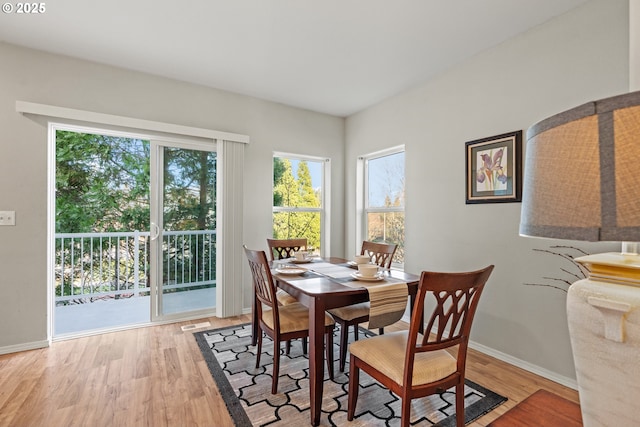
{"x": 92, "y": 266}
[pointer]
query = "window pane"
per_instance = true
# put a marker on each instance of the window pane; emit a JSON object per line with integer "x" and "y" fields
{"x": 297, "y": 183}
{"x": 386, "y": 181}
{"x": 387, "y": 227}
{"x": 293, "y": 225}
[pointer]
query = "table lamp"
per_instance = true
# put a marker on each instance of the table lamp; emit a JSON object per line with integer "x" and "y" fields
{"x": 582, "y": 182}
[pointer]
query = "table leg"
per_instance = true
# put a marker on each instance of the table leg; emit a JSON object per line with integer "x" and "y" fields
{"x": 316, "y": 359}
{"x": 412, "y": 300}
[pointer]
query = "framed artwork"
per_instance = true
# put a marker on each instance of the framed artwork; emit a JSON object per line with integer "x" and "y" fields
{"x": 494, "y": 169}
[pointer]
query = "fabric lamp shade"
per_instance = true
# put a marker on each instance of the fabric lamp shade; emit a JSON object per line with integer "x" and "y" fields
{"x": 582, "y": 173}
{"x": 582, "y": 182}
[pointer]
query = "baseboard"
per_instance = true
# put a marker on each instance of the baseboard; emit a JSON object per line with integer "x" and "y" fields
{"x": 24, "y": 347}
{"x": 530, "y": 367}
{"x": 535, "y": 369}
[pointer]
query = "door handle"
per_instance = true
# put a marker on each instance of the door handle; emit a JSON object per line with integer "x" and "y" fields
{"x": 155, "y": 231}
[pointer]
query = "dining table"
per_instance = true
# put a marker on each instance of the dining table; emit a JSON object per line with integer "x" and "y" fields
{"x": 320, "y": 292}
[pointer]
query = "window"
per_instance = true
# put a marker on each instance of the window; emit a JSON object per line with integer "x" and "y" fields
{"x": 299, "y": 199}
{"x": 383, "y": 213}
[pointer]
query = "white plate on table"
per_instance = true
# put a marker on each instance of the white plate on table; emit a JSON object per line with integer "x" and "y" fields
{"x": 376, "y": 278}
{"x": 300, "y": 261}
{"x": 291, "y": 271}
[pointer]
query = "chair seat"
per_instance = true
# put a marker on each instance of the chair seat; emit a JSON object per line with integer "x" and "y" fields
{"x": 387, "y": 353}
{"x": 293, "y": 317}
{"x": 284, "y": 298}
{"x": 351, "y": 312}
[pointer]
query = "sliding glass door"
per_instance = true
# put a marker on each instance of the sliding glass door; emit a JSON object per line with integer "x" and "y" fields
{"x": 183, "y": 228}
{"x": 135, "y": 230}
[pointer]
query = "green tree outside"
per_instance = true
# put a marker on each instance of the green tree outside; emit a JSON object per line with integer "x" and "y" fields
{"x": 292, "y": 192}
{"x": 103, "y": 185}
{"x": 388, "y": 227}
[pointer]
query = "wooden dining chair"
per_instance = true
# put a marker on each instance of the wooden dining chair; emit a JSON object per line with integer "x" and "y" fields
{"x": 352, "y": 315}
{"x": 412, "y": 365}
{"x": 281, "y": 322}
{"x": 282, "y": 249}
{"x": 379, "y": 253}
{"x": 285, "y": 248}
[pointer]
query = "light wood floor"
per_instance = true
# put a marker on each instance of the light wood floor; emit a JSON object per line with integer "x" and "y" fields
{"x": 156, "y": 376}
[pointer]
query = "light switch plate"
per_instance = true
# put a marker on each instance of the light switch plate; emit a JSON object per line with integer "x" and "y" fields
{"x": 7, "y": 217}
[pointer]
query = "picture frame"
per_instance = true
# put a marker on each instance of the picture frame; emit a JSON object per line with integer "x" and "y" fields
{"x": 494, "y": 169}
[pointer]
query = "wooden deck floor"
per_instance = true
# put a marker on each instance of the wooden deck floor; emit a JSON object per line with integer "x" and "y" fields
{"x": 112, "y": 313}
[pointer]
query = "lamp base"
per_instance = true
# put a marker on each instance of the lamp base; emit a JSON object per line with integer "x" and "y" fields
{"x": 604, "y": 325}
{"x": 614, "y": 267}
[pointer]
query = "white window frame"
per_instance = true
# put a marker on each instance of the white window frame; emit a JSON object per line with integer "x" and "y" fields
{"x": 362, "y": 195}
{"x": 325, "y": 203}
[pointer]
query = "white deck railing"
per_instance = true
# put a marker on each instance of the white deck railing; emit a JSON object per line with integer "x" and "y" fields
{"x": 92, "y": 266}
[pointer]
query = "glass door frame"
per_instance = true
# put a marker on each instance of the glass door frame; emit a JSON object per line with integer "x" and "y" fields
{"x": 201, "y": 144}
{"x": 157, "y": 146}
{"x": 78, "y": 127}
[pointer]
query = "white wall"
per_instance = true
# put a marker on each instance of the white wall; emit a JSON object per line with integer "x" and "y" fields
{"x": 578, "y": 57}
{"x": 29, "y": 75}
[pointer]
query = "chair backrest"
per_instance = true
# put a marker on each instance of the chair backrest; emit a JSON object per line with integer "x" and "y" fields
{"x": 454, "y": 297}
{"x": 285, "y": 248}
{"x": 263, "y": 285}
{"x": 379, "y": 253}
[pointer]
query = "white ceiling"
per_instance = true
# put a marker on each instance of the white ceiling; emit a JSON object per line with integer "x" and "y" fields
{"x": 331, "y": 56}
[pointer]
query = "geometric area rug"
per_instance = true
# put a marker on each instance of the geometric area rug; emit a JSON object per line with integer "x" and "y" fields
{"x": 247, "y": 390}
